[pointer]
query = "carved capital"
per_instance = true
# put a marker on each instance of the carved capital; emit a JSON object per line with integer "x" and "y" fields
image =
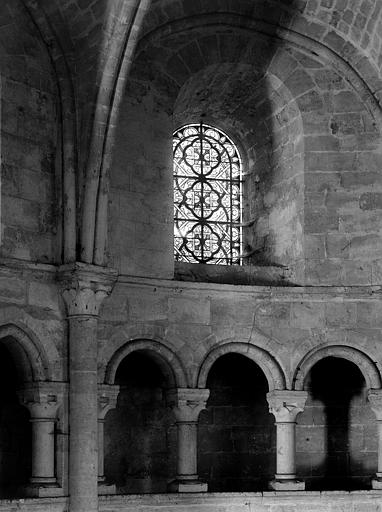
{"x": 107, "y": 399}
{"x": 374, "y": 397}
{"x": 84, "y": 287}
{"x": 187, "y": 403}
{"x": 286, "y": 405}
{"x": 43, "y": 399}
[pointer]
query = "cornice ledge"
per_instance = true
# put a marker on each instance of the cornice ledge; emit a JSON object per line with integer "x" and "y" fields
{"x": 319, "y": 292}
{"x": 86, "y": 272}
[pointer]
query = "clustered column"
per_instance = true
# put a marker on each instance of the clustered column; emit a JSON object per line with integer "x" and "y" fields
{"x": 285, "y": 406}
{"x": 84, "y": 289}
{"x": 107, "y": 400}
{"x": 187, "y": 405}
{"x": 43, "y": 400}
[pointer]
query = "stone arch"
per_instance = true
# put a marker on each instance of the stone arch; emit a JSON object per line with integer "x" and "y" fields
{"x": 30, "y": 360}
{"x": 366, "y": 365}
{"x": 269, "y": 133}
{"x": 167, "y": 360}
{"x": 312, "y": 47}
{"x": 123, "y": 335}
{"x": 272, "y": 370}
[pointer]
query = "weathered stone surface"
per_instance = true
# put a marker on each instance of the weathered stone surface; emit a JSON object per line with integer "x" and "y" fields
{"x": 188, "y": 311}
{"x": 297, "y": 85}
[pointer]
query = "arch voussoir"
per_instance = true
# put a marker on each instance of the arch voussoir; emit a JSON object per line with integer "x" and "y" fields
{"x": 168, "y": 361}
{"x": 271, "y": 368}
{"x": 366, "y": 365}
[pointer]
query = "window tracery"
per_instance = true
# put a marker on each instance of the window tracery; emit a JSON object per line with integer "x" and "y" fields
{"x": 207, "y": 196}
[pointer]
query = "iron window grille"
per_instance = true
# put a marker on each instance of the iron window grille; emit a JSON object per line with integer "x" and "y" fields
{"x": 207, "y": 196}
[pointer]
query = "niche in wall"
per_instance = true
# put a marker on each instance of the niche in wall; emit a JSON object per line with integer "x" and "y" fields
{"x": 15, "y": 431}
{"x": 236, "y": 447}
{"x": 337, "y": 432}
{"x": 261, "y": 116}
{"x": 140, "y": 434}
{"x": 246, "y": 99}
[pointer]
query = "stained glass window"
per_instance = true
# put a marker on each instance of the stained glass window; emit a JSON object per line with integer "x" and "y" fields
{"x": 207, "y": 196}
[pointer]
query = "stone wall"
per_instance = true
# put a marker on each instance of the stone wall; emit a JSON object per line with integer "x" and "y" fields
{"x": 241, "y": 502}
{"x": 236, "y": 448}
{"x": 297, "y": 86}
{"x": 337, "y": 432}
{"x": 33, "y": 348}
{"x": 238, "y": 502}
{"x": 140, "y": 435}
{"x": 141, "y": 227}
{"x": 193, "y": 319}
{"x": 309, "y": 139}
{"x": 29, "y": 206}
{"x": 191, "y": 325}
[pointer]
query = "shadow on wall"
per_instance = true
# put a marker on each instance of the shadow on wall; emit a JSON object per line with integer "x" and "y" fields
{"x": 15, "y": 431}
{"x": 140, "y": 434}
{"x": 337, "y": 432}
{"x": 236, "y": 444}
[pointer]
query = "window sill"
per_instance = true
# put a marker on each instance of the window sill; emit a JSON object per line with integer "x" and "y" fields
{"x": 233, "y": 274}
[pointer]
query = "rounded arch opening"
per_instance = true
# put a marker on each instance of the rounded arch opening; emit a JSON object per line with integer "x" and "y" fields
{"x": 366, "y": 365}
{"x": 337, "y": 431}
{"x": 30, "y": 360}
{"x": 260, "y": 113}
{"x": 270, "y": 367}
{"x": 249, "y": 25}
{"x": 241, "y": 95}
{"x": 140, "y": 434}
{"x": 167, "y": 361}
{"x": 236, "y": 448}
{"x": 15, "y": 428}
{"x": 207, "y": 196}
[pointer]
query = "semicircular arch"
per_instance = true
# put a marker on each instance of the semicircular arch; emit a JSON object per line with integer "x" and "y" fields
{"x": 270, "y": 367}
{"x": 29, "y": 358}
{"x": 268, "y": 30}
{"x": 365, "y": 364}
{"x": 166, "y": 359}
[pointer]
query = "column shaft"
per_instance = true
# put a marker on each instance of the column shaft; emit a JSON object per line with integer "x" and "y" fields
{"x": 83, "y": 414}
{"x": 84, "y": 287}
{"x": 107, "y": 400}
{"x": 43, "y": 400}
{"x": 285, "y": 458}
{"x": 42, "y": 451}
{"x": 375, "y": 401}
{"x": 285, "y": 405}
{"x": 187, "y": 403}
{"x": 187, "y": 450}
{"x": 101, "y": 465}
{"x": 379, "y": 469}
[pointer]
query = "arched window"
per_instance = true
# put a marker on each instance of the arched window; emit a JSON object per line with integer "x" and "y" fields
{"x": 207, "y": 196}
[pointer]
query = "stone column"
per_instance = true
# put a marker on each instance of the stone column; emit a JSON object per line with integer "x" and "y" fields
{"x": 84, "y": 287}
{"x": 187, "y": 404}
{"x": 43, "y": 399}
{"x": 375, "y": 401}
{"x": 107, "y": 400}
{"x": 285, "y": 406}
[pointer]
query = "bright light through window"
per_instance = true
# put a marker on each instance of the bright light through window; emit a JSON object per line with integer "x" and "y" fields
{"x": 207, "y": 196}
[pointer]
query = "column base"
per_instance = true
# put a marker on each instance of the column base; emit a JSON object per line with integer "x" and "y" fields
{"x": 376, "y": 482}
{"x": 287, "y": 485}
{"x": 35, "y": 490}
{"x": 187, "y": 486}
{"x": 104, "y": 488}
